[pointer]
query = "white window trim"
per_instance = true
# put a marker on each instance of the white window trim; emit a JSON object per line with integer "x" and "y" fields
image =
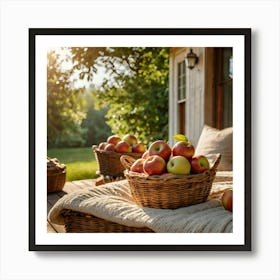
{"x": 175, "y": 58}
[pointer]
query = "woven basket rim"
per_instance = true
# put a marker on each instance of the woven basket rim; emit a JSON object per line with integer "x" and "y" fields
{"x": 96, "y": 149}
{"x": 172, "y": 178}
{"x": 57, "y": 173}
{"x": 125, "y": 159}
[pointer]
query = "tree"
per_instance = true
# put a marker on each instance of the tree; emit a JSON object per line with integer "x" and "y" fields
{"x": 135, "y": 87}
{"x": 65, "y": 106}
{"x": 95, "y": 123}
{"x": 134, "y": 94}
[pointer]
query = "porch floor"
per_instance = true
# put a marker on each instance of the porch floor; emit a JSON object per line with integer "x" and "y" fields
{"x": 68, "y": 188}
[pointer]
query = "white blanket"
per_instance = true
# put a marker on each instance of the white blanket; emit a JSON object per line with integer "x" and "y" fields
{"x": 113, "y": 202}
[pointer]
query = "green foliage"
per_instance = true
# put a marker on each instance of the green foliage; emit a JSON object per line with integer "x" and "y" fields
{"x": 95, "y": 124}
{"x": 136, "y": 91}
{"x": 133, "y": 96}
{"x": 65, "y": 107}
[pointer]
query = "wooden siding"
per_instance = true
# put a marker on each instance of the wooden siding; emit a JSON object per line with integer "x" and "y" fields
{"x": 195, "y": 87}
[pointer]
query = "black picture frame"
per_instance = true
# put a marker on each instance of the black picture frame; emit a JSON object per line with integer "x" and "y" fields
{"x": 34, "y": 32}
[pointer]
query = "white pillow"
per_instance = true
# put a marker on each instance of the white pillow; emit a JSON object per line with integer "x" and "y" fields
{"x": 214, "y": 141}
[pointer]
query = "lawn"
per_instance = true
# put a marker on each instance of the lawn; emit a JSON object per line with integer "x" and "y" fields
{"x": 80, "y": 162}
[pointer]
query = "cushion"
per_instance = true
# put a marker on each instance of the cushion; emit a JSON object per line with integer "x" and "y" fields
{"x": 213, "y": 141}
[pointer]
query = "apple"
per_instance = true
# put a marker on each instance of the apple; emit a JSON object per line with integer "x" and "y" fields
{"x": 154, "y": 165}
{"x": 139, "y": 148}
{"x": 109, "y": 147}
{"x": 137, "y": 165}
{"x": 178, "y": 165}
{"x": 199, "y": 164}
{"x": 146, "y": 154}
{"x": 160, "y": 148}
{"x": 102, "y": 145}
{"x": 122, "y": 147}
{"x": 227, "y": 199}
{"x": 113, "y": 139}
{"x": 183, "y": 148}
{"x": 130, "y": 139}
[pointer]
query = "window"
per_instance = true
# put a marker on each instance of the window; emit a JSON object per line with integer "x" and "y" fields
{"x": 223, "y": 88}
{"x": 181, "y": 96}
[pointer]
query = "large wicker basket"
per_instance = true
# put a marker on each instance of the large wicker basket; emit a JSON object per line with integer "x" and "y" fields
{"x": 109, "y": 162}
{"x": 169, "y": 192}
{"x": 79, "y": 222}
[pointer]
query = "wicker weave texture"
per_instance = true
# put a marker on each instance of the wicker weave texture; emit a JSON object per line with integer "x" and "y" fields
{"x": 170, "y": 192}
{"x": 55, "y": 182}
{"x": 83, "y": 223}
{"x": 109, "y": 162}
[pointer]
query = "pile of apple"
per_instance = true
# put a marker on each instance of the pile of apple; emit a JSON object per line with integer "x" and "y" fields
{"x": 127, "y": 144}
{"x": 162, "y": 159}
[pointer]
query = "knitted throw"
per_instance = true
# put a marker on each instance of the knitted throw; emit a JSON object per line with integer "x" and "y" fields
{"x": 113, "y": 202}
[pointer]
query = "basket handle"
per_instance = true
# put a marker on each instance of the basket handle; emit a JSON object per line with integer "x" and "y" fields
{"x": 217, "y": 161}
{"x": 127, "y": 161}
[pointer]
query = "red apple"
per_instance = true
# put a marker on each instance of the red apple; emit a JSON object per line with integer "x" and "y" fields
{"x": 178, "y": 165}
{"x": 139, "y": 148}
{"x": 160, "y": 148}
{"x": 130, "y": 139}
{"x": 184, "y": 149}
{"x": 102, "y": 145}
{"x": 199, "y": 164}
{"x": 109, "y": 147}
{"x": 154, "y": 165}
{"x": 227, "y": 199}
{"x": 137, "y": 165}
{"x": 146, "y": 154}
{"x": 113, "y": 139}
{"x": 122, "y": 147}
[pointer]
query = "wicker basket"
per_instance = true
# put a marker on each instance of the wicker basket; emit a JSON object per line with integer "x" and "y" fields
{"x": 56, "y": 175}
{"x": 109, "y": 162}
{"x": 79, "y": 222}
{"x": 56, "y": 182}
{"x": 169, "y": 192}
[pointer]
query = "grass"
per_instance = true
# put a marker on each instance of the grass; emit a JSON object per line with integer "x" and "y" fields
{"x": 80, "y": 162}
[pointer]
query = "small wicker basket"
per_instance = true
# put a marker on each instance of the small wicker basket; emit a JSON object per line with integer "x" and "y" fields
{"x": 172, "y": 191}
{"x": 109, "y": 162}
{"x": 56, "y": 175}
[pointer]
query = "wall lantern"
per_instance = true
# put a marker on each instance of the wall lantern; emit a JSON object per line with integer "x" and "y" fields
{"x": 191, "y": 59}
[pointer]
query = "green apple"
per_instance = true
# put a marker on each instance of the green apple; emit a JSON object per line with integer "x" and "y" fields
{"x": 178, "y": 165}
